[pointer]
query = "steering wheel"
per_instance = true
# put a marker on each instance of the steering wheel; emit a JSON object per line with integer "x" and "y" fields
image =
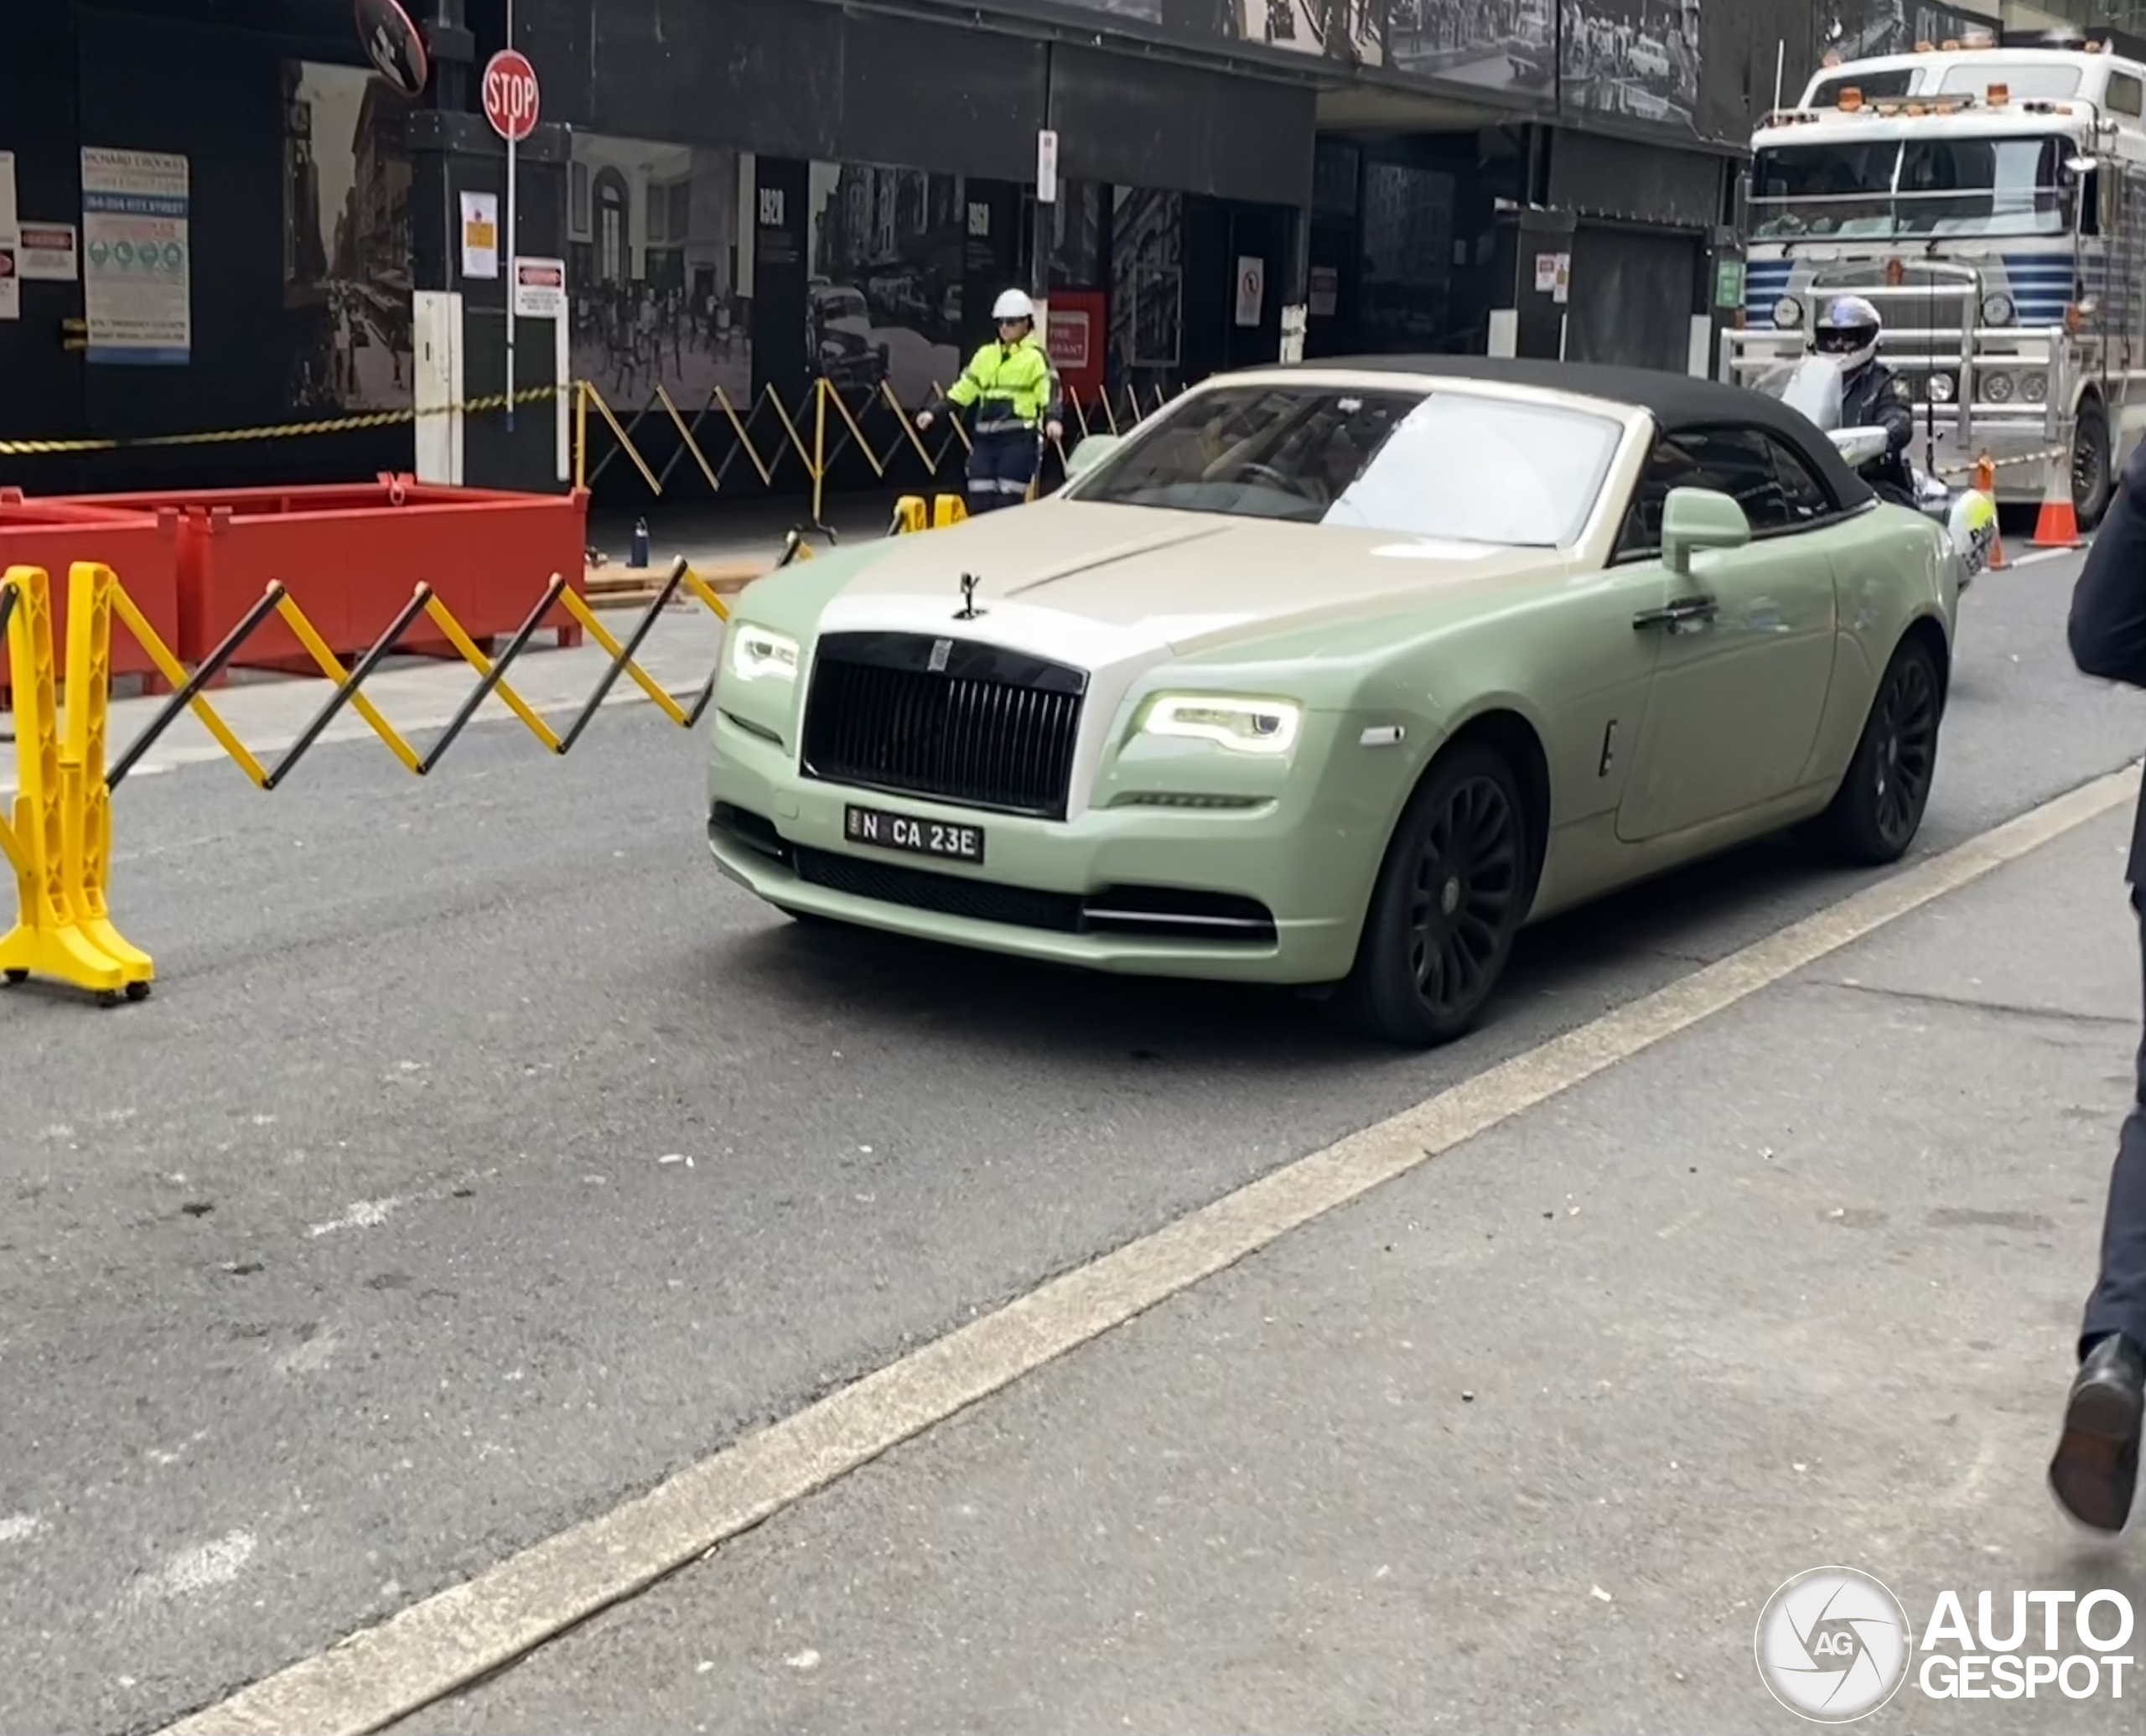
{"x": 1273, "y": 476}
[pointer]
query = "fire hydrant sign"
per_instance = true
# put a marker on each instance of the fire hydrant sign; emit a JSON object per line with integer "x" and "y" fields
{"x": 511, "y": 95}
{"x": 136, "y": 258}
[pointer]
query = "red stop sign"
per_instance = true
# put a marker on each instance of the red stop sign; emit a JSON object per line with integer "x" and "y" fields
{"x": 510, "y": 94}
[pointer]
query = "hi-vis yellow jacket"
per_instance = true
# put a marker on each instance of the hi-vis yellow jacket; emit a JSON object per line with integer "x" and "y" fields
{"x": 1012, "y": 388}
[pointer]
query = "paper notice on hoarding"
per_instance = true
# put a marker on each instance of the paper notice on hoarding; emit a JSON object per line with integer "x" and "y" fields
{"x": 539, "y": 288}
{"x": 480, "y": 234}
{"x": 46, "y": 252}
{"x": 136, "y": 258}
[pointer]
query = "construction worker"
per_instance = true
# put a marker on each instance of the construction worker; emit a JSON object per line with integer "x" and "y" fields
{"x": 1010, "y": 383}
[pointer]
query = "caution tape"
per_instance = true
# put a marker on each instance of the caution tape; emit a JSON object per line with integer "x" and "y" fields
{"x": 2045, "y": 456}
{"x": 283, "y": 430}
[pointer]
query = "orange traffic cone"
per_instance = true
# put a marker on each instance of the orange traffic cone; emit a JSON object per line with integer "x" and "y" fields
{"x": 1985, "y": 482}
{"x": 2057, "y": 526}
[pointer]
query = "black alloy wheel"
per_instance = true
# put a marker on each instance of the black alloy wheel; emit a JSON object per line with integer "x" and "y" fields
{"x": 1466, "y": 884}
{"x": 1878, "y": 808}
{"x": 1451, "y": 895}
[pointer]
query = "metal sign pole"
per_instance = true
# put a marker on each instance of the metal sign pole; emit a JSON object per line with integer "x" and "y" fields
{"x": 513, "y": 248}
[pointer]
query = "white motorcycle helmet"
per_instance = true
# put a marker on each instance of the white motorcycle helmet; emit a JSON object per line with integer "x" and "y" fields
{"x": 1013, "y": 305}
{"x": 1846, "y": 332}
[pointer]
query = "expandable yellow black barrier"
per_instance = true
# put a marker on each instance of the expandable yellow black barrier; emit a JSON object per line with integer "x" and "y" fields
{"x": 835, "y": 425}
{"x": 60, "y": 842}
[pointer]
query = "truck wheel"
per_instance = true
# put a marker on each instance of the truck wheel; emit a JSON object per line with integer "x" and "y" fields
{"x": 2092, "y": 476}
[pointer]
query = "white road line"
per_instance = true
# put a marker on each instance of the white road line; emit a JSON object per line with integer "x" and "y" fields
{"x": 450, "y": 1639}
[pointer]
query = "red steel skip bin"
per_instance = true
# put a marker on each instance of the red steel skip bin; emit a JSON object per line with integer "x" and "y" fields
{"x": 140, "y": 545}
{"x": 349, "y": 554}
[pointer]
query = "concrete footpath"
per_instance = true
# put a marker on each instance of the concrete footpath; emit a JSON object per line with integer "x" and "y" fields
{"x": 1524, "y": 1440}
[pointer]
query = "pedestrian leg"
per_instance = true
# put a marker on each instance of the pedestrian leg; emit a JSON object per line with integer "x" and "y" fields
{"x": 2095, "y": 1473}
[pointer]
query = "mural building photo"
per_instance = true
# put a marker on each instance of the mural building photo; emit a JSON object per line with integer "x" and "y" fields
{"x": 1352, "y": 31}
{"x": 346, "y": 240}
{"x": 1637, "y": 59}
{"x": 1502, "y": 44}
{"x": 885, "y": 250}
{"x": 653, "y": 271}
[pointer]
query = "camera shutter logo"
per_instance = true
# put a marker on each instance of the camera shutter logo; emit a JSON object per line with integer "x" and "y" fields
{"x": 1833, "y": 1644}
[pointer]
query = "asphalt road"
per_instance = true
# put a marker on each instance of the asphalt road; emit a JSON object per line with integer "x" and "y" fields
{"x": 352, "y": 1261}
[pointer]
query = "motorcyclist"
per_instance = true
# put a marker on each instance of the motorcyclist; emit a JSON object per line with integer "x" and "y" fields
{"x": 1871, "y": 396}
{"x": 1014, "y": 390}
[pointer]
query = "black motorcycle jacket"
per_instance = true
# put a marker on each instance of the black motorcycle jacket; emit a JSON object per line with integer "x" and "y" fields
{"x": 1871, "y": 398}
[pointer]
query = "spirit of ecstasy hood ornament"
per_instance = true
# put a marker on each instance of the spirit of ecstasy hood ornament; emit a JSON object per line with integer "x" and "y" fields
{"x": 969, "y": 611}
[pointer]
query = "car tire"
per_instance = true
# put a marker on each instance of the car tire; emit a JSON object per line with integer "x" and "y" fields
{"x": 1450, "y": 896}
{"x": 1875, "y": 814}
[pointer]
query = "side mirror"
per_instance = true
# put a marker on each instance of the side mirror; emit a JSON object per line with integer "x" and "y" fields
{"x": 1859, "y": 446}
{"x": 1085, "y": 453}
{"x": 1696, "y": 518}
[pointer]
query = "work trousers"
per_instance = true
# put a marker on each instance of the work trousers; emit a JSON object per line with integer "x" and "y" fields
{"x": 1002, "y": 464}
{"x": 2119, "y": 1304}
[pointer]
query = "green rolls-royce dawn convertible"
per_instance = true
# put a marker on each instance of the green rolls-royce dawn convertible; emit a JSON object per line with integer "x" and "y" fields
{"x": 1338, "y": 674}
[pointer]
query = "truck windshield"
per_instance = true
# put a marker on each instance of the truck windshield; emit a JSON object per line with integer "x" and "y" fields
{"x": 1956, "y": 185}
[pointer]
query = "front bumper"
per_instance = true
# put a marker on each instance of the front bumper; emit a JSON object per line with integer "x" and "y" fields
{"x": 1272, "y": 891}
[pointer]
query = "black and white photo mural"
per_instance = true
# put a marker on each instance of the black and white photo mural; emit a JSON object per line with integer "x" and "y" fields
{"x": 652, "y": 271}
{"x": 1638, "y": 60}
{"x": 1350, "y": 31}
{"x": 1500, "y": 44}
{"x": 883, "y": 295}
{"x": 1856, "y": 29}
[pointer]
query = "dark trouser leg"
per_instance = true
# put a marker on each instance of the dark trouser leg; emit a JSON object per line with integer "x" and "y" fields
{"x": 2119, "y": 1304}
{"x": 1001, "y": 467}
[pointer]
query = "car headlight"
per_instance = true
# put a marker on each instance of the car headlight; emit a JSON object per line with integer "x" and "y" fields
{"x": 758, "y": 654}
{"x": 1941, "y": 388}
{"x": 1788, "y": 312}
{"x": 1250, "y": 726}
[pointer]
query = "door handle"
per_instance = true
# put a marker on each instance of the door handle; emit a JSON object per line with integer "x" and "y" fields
{"x": 1675, "y": 614}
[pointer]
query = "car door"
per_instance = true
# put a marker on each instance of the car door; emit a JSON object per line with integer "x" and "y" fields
{"x": 1740, "y": 688}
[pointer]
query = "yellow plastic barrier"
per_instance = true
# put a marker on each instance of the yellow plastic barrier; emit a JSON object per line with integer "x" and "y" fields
{"x": 59, "y": 845}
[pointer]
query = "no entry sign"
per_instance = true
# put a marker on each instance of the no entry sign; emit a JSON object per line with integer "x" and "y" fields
{"x": 511, "y": 95}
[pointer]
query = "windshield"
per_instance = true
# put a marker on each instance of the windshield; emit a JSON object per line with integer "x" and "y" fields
{"x": 1455, "y": 465}
{"x": 1952, "y": 186}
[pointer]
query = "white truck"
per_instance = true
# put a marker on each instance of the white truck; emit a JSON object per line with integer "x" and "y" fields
{"x": 1991, "y": 202}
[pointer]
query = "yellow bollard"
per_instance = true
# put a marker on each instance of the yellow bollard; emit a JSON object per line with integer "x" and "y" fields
{"x": 909, "y": 514}
{"x": 88, "y": 874}
{"x": 45, "y": 940}
{"x": 948, "y": 509}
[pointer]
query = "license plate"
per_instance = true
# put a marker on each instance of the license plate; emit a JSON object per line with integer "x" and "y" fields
{"x": 938, "y": 838}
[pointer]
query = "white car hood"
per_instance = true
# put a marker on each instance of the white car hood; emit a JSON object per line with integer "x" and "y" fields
{"x": 1103, "y": 587}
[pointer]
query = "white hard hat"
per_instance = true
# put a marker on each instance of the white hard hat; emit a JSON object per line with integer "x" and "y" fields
{"x": 1013, "y": 305}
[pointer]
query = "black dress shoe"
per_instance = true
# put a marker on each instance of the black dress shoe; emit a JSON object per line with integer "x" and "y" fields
{"x": 2096, "y": 1468}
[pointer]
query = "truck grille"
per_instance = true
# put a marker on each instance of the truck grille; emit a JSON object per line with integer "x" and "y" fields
{"x": 973, "y": 725}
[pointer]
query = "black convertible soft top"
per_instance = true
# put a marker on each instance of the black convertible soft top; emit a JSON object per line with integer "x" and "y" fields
{"x": 1676, "y": 402}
